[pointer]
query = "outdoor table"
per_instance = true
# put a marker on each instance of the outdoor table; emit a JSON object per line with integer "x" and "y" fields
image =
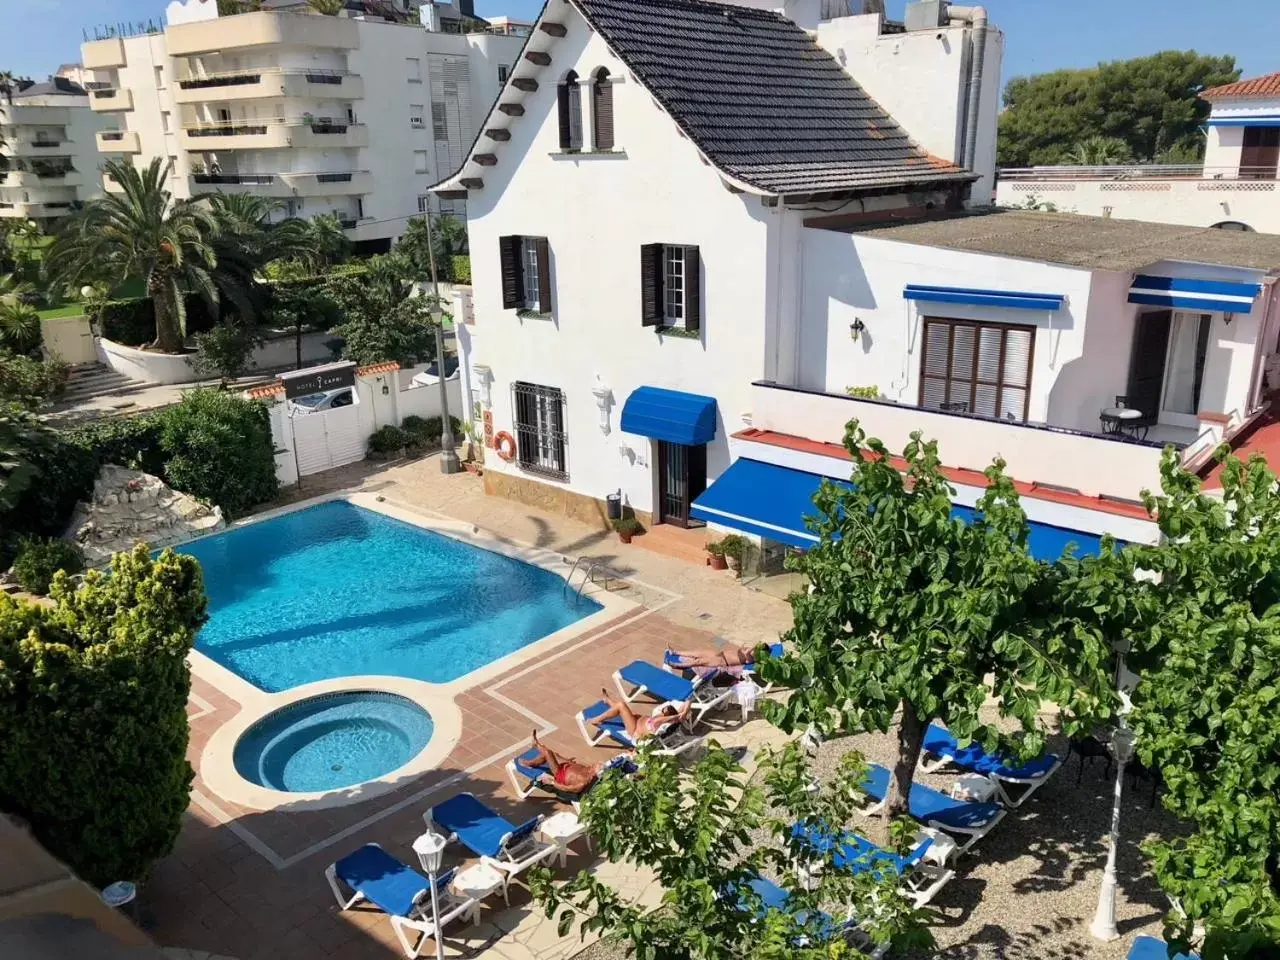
{"x": 476, "y": 882}
{"x": 973, "y": 786}
{"x": 1121, "y": 420}
{"x": 562, "y": 829}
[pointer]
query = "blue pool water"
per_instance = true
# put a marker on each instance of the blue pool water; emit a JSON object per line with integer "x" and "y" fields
{"x": 333, "y": 741}
{"x": 336, "y": 590}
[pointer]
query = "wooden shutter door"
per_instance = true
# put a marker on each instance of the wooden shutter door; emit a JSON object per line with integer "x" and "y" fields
{"x": 935, "y": 365}
{"x": 602, "y": 111}
{"x": 1260, "y": 153}
{"x": 562, "y": 105}
{"x": 544, "y": 274}
{"x": 512, "y": 272}
{"x": 692, "y": 289}
{"x": 651, "y": 308}
{"x": 1146, "y": 363}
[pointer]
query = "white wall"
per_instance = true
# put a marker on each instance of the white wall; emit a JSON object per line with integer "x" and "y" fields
{"x": 77, "y": 124}
{"x": 596, "y": 212}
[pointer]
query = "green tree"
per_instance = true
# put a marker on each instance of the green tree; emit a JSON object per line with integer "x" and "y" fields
{"x": 225, "y": 351}
{"x": 28, "y": 382}
{"x": 19, "y": 327}
{"x": 22, "y": 438}
{"x": 700, "y": 832}
{"x": 1100, "y": 152}
{"x": 911, "y": 608}
{"x": 385, "y": 319}
{"x": 142, "y": 232}
{"x": 448, "y": 236}
{"x": 327, "y": 242}
{"x": 1149, "y": 102}
{"x": 300, "y": 307}
{"x": 93, "y": 699}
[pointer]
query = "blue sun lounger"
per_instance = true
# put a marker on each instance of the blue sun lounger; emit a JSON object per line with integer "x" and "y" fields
{"x": 1149, "y": 948}
{"x": 510, "y": 849}
{"x": 671, "y": 738}
{"x": 855, "y": 853}
{"x": 959, "y": 818}
{"x": 1003, "y": 772}
{"x": 639, "y": 678}
{"x": 528, "y": 775}
{"x": 774, "y": 897}
{"x": 672, "y": 663}
{"x": 400, "y": 892}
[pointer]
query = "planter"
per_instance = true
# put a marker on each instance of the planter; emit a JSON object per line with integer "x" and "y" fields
{"x": 717, "y": 562}
{"x": 625, "y": 537}
{"x": 473, "y": 468}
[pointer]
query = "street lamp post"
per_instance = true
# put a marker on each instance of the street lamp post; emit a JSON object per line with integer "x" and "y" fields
{"x": 448, "y": 454}
{"x": 430, "y": 850}
{"x": 1122, "y": 742}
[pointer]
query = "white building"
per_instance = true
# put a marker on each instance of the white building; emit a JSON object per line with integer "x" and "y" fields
{"x": 48, "y": 157}
{"x": 355, "y": 115}
{"x": 1235, "y": 188}
{"x": 693, "y": 232}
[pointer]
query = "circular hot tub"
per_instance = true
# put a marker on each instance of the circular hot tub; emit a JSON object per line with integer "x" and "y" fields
{"x": 332, "y": 741}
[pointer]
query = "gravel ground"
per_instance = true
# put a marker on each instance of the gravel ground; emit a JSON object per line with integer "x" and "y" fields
{"x": 1029, "y": 889}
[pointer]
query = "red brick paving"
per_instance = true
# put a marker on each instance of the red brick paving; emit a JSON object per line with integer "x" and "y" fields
{"x": 217, "y": 893}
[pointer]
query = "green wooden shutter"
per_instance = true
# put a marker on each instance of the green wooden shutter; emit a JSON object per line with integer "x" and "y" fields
{"x": 512, "y": 272}
{"x": 692, "y": 289}
{"x": 651, "y": 284}
{"x": 544, "y": 274}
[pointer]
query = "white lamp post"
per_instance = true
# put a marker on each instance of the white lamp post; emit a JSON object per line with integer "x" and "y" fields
{"x": 430, "y": 850}
{"x": 448, "y": 454}
{"x": 1122, "y": 741}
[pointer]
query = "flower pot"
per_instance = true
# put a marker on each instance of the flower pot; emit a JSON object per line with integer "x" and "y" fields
{"x": 717, "y": 562}
{"x": 472, "y": 468}
{"x": 625, "y": 537}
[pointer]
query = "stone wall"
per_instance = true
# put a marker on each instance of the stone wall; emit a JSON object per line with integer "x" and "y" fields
{"x": 554, "y": 499}
{"x": 129, "y": 507}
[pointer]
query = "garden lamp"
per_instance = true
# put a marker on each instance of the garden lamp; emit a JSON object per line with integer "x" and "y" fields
{"x": 430, "y": 850}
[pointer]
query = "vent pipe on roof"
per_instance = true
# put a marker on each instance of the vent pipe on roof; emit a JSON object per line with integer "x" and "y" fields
{"x": 978, "y": 17}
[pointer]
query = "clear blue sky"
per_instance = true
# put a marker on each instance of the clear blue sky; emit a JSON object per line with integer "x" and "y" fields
{"x": 37, "y": 35}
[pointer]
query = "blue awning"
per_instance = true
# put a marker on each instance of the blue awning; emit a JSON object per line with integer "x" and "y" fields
{"x": 1271, "y": 120}
{"x": 1189, "y": 294}
{"x": 670, "y": 415}
{"x": 772, "y": 501}
{"x": 1014, "y": 300}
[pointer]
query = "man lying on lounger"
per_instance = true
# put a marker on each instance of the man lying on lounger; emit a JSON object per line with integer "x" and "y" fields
{"x": 637, "y": 725}
{"x": 572, "y": 776}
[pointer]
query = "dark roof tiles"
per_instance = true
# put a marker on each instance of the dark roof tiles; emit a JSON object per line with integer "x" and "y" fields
{"x": 763, "y": 101}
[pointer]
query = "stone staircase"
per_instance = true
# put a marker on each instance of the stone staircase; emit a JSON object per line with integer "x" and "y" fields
{"x": 91, "y": 380}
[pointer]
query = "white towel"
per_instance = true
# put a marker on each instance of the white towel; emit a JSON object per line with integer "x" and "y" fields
{"x": 746, "y": 692}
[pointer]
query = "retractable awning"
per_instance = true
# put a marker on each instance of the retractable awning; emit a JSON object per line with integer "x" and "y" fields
{"x": 1269, "y": 120}
{"x": 763, "y": 499}
{"x": 671, "y": 415}
{"x": 1012, "y": 299}
{"x": 1185, "y": 293}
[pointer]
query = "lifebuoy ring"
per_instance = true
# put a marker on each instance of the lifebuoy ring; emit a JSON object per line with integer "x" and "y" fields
{"x": 505, "y": 444}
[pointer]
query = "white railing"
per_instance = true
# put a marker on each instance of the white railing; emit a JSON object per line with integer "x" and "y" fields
{"x": 1136, "y": 172}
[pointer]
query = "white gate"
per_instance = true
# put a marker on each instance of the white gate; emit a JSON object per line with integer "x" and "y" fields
{"x": 327, "y": 439}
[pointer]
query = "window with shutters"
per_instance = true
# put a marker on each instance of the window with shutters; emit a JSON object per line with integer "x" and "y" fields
{"x": 978, "y": 368}
{"x": 602, "y": 110}
{"x": 540, "y": 434}
{"x": 415, "y": 115}
{"x": 526, "y": 275}
{"x": 570, "y": 109}
{"x": 1260, "y": 153}
{"x": 673, "y": 286}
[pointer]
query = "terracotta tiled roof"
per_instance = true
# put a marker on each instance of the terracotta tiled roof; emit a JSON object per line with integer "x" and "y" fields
{"x": 376, "y": 368}
{"x": 1268, "y": 86}
{"x": 277, "y": 389}
{"x": 270, "y": 390}
{"x": 1262, "y": 438}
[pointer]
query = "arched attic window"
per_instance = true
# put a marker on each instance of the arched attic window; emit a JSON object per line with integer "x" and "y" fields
{"x": 602, "y": 110}
{"x": 570, "y": 113}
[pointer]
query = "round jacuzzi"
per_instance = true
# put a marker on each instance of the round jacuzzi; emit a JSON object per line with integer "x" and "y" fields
{"x": 332, "y": 741}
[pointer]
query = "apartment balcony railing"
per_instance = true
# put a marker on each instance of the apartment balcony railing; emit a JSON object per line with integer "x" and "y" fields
{"x": 259, "y": 30}
{"x": 68, "y": 177}
{"x": 234, "y": 179}
{"x": 111, "y": 99}
{"x": 323, "y": 184}
{"x": 36, "y": 148}
{"x": 275, "y": 132}
{"x": 270, "y": 83}
{"x": 118, "y": 141}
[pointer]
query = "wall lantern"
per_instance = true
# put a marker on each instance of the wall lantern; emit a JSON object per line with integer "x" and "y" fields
{"x": 856, "y": 328}
{"x": 386, "y": 390}
{"x": 604, "y": 400}
{"x": 484, "y": 380}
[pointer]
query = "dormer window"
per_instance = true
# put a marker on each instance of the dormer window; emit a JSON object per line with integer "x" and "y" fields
{"x": 602, "y": 110}
{"x": 570, "y": 113}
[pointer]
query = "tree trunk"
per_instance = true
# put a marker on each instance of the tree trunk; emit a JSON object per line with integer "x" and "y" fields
{"x": 910, "y": 740}
{"x": 168, "y": 336}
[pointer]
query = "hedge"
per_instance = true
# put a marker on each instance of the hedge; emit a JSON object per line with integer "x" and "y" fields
{"x": 461, "y": 271}
{"x": 93, "y": 699}
{"x": 132, "y": 322}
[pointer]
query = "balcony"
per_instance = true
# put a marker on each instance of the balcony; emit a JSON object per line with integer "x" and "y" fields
{"x": 21, "y": 114}
{"x": 41, "y": 178}
{"x": 255, "y": 184}
{"x": 261, "y": 29}
{"x": 37, "y": 211}
{"x": 103, "y": 54}
{"x": 331, "y": 135}
{"x": 270, "y": 84}
{"x": 111, "y": 99}
{"x": 36, "y": 148}
{"x": 1192, "y": 195}
{"x": 334, "y": 184}
{"x": 118, "y": 141}
{"x": 272, "y": 134}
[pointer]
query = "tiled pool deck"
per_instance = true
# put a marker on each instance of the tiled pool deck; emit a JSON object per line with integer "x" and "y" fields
{"x": 249, "y": 883}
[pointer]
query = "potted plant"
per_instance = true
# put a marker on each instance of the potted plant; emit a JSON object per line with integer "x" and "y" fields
{"x": 735, "y": 548}
{"x": 627, "y": 527}
{"x": 715, "y": 556}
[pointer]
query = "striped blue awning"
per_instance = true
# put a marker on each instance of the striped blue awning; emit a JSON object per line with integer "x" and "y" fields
{"x": 1222, "y": 296}
{"x": 684, "y": 418}
{"x": 1270, "y": 120}
{"x": 1014, "y": 300}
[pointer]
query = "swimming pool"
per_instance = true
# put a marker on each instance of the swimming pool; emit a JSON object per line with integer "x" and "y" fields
{"x": 337, "y": 590}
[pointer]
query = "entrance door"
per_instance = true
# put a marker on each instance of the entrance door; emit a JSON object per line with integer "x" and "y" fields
{"x": 1260, "y": 153}
{"x": 1184, "y": 371}
{"x": 682, "y": 476}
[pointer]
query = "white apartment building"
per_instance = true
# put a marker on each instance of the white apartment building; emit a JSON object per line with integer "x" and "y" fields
{"x": 1236, "y": 188}
{"x": 694, "y": 228}
{"x": 353, "y": 115}
{"x": 48, "y": 156}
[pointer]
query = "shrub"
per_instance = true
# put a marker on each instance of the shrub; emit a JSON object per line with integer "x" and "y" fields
{"x": 628, "y": 526}
{"x": 461, "y": 268}
{"x": 864, "y": 393}
{"x": 93, "y": 698}
{"x": 132, "y": 442}
{"x": 734, "y": 546}
{"x": 218, "y": 448}
{"x": 225, "y": 351}
{"x": 132, "y": 322}
{"x": 425, "y": 431}
{"x": 39, "y": 559}
{"x": 388, "y": 439}
{"x": 716, "y": 548}
{"x": 64, "y": 473}
{"x": 31, "y": 382}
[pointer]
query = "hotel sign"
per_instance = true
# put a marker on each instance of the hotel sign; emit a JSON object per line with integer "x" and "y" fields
{"x": 332, "y": 376}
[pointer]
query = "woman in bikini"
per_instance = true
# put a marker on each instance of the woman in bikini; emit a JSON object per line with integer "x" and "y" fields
{"x": 637, "y": 725}
{"x": 572, "y": 776}
{"x": 728, "y": 661}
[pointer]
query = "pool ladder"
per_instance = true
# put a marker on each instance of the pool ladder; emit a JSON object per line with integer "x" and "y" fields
{"x": 589, "y": 566}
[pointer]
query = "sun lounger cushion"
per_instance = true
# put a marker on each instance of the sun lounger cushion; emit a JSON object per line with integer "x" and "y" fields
{"x": 663, "y": 685}
{"x": 859, "y": 854}
{"x": 930, "y": 806}
{"x": 478, "y": 828}
{"x": 529, "y": 765}
{"x": 614, "y": 726}
{"x": 384, "y": 881}
{"x": 672, "y": 659}
{"x": 1149, "y": 948}
{"x": 939, "y": 742}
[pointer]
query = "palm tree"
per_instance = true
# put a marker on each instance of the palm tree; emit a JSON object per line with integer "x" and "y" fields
{"x": 7, "y": 84}
{"x": 19, "y": 326}
{"x": 1100, "y": 151}
{"x": 14, "y": 289}
{"x": 329, "y": 240}
{"x": 142, "y": 231}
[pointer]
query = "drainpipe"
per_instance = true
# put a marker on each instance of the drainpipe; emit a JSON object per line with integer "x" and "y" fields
{"x": 978, "y": 17}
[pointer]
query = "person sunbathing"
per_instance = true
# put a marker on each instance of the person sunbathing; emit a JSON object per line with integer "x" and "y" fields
{"x": 571, "y": 776}
{"x": 729, "y": 660}
{"x": 638, "y": 725}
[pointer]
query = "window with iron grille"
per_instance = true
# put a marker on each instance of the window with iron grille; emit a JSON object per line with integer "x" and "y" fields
{"x": 540, "y": 436}
{"x": 969, "y": 367}
{"x": 529, "y": 254}
{"x": 673, "y": 286}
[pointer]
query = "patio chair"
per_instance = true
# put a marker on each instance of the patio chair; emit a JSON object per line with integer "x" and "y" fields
{"x": 958, "y": 818}
{"x": 400, "y": 892}
{"x": 508, "y": 848}
{"x": 528, "y": 775}
{"x": 672, "y": 664}
{"x": 856, "y": 854}
{"x": 1014, "y": 782}
{"x": 639, "y": 678}
{"x": 1149, "y": 948}
{"x": 672, "y": 738}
